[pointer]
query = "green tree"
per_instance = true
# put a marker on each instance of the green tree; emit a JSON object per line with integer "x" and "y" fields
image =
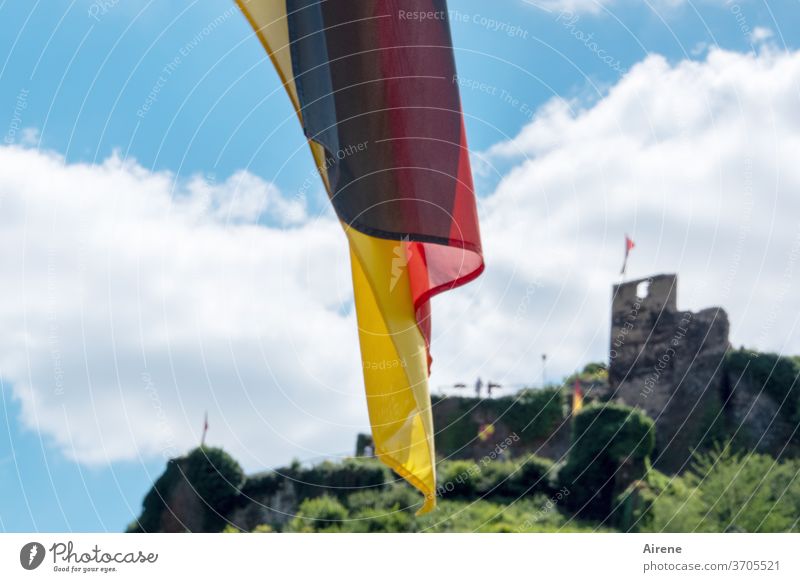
{"x": 610, "y": 444}
{"x": 726, "y": 491}
{"x": 322, "y": 514}
{"x": 217, "y": 479}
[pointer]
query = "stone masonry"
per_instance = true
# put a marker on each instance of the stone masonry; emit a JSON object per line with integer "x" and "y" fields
{"x": 667, "y": 362}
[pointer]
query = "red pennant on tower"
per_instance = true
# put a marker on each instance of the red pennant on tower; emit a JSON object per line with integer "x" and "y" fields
{"x": 629, "y": 244}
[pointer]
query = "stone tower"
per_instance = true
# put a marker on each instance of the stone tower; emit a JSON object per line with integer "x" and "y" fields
{"x": 668, "y": 363}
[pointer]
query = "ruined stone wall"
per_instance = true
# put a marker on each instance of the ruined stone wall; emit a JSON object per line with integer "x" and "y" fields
{"x": 761, "y": 401}
{"x": 542, "y": 426}
{"x": 667, "y": 362}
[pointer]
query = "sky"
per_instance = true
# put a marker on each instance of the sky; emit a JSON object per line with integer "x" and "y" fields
{"x": 168, "y": 248}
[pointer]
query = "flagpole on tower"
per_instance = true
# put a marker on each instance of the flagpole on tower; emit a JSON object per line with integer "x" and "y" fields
{"x": 629, "y": 245}
{"x": 205, "y": 430}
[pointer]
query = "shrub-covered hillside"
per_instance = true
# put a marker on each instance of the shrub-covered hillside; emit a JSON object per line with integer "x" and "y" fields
{"x": 605, "y": 483}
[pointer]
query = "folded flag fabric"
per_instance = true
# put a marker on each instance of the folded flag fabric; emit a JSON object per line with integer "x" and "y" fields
{"x": 577, "y": 397}
{"x": 375, "y": 88}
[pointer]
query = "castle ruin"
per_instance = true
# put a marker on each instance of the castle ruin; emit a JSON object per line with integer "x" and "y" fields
{"x": 668, "y": 363}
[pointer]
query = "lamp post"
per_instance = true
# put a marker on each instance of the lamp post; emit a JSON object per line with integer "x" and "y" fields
{"x": 544, "y": 370}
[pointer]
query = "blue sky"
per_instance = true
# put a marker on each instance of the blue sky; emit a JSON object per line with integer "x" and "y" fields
{"x": 178, "y": 101}
{"x": 88, "y": 76}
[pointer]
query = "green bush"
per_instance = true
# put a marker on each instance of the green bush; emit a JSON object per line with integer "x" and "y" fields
{"x": 778, "y": 375}
{"x": 261, "y": 485}
{"x": 341, "y": 479}
{"x": 534, "y": 475}
{"x": 511, "y": 480}
{"x": 398, "y": 495}
{"x": 457, "y": 479}
{"x": 596, "y": 370}
{"x": 322, "y": 514}
{"x": 728, "y": 492}
{"x": 633, "y": 509}
{"x": 610, "y": 444}
{"x": 334, "y": 479}
{"x": 495, "y": 479}
{"x": 216, "y": 478}
{"x": 515, "y": 498}
{"x": 533, "y": 514}
{"x": 380, "y": 512}
{"x": 379, "y": 520}
{"x": 531, "y": 413}
{"x": 213, "y": 474}
{"x": 592, "y": 372}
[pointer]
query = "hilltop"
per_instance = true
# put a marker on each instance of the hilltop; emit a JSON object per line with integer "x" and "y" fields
{"x": 679, "y": 432}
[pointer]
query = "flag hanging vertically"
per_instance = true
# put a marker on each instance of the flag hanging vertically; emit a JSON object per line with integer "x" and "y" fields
{"x": 485, "y": 431}
{"x": 577, "y": 397}
{"x": 629, "y": 244}
{"x": 374, "y": 85}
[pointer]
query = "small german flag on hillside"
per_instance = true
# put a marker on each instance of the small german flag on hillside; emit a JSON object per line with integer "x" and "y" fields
{"x": 577, "y": 397}
{"x": 374, "y": 85}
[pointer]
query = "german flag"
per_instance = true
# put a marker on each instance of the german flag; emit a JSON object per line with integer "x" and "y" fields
{"x": 375, "y": 88}
{"x": 577, "y": 397}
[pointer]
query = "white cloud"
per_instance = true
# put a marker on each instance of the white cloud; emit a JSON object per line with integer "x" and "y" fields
{"x": 761, "y": 34}
{"x": 29, "y": 136}
{"x": 697, "y": 160}
{"x": 574, "y": 6}
{"x": 598, "y": 6}
{"x": 132, "y": 304}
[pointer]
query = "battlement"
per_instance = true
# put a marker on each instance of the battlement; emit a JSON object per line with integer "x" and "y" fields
{"x": 656, "y": 293}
